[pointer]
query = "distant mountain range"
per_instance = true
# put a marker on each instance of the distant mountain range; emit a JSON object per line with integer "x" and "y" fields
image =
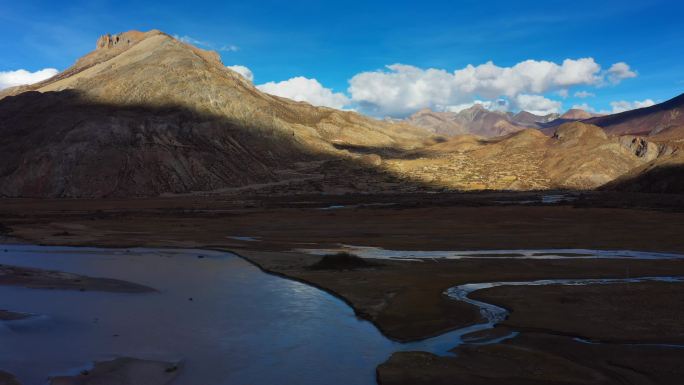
{"x": 145, "y": 114}
{"x": 661, "y": 121}
{"x": 477, "y": 120}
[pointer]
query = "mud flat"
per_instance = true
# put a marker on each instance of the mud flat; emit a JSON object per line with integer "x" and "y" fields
{"x": 6, "y": 315}
{"x": 47, "y": 279}
{"x": 405, "y": 299}
{"x": 537, "y": 359}
{"x": 123, "y": 370}
{"x": 622, "y": 313}
{"x": 627, "y": 336}
{"x": 8, "y": 379}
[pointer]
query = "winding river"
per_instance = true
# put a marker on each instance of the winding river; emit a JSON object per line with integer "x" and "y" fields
{"x": 228, "y": 322}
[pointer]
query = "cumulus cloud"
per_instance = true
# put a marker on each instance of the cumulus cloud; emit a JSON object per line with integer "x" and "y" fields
{"x": 618, "y": 72}
{"x": 584, "y": 94}
{"x": 537, "y": 104}
{"x": 618, "y": 106}
{"x": 585, "y": 107}
{"x": 22, "y": 77}
{"x": 308, "y": 90}
{"x": 401, "y": 89}
{"x": 242, "y": 70}
{"x": 492, "y": 105}
{"x": 623, "y": 105}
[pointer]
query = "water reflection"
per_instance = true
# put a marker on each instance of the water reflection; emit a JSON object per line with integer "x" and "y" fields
{"x": 242, "y": 326}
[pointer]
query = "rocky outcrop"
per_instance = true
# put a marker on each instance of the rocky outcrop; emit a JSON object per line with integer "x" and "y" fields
{"x": 641, "y": 147}
{"x": 109, "y": 41}
{"x": 578, "y": 132}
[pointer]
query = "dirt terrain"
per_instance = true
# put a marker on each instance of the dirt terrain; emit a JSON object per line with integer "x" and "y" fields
{"x": 44, "y": 279}
{"x": 405, "y": 299}
{"x": 122, "y": 371}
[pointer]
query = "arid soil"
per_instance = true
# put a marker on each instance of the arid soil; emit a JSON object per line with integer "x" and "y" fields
{"x": 6, "y": 315}
{"x": 45, "y": 279}
{"x": 122, "y": 371}
{"x": 645, "y": 312}
{"x": 537, "y": 359}
{"x": 8, "y": 379}
{"x": 405, "y": 299}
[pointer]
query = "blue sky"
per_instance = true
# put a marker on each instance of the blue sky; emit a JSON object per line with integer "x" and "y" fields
{"x": 325, "y": 45}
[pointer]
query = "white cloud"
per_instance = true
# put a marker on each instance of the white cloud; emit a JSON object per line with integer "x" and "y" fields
{"x": 191, "y": 40}
{"x": 492, "y": 105}
{"x": 584, "y": 94}
{"x": 563, "y": 93}
{"x": 537, "y": 104}
{"x": 242, "y": 70}
{"x": 622, "y": 105}
{"x": 309, "y": 90}
{"x": 206, "y": 44}
{"x": 21, "y": 77}
{"x": 402, "y": 89}
{"x": 585, "y": 107}
{"x": 618, "y": 106}
{"x": 229, "y": 48}
{"x": 620, "y": 71}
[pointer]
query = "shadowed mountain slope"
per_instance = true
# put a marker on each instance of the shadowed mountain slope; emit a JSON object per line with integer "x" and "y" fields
{"x": 145, "y": 114}
{"x": 662, "y": 121}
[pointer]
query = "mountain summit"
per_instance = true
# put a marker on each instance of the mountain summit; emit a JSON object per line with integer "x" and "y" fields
{"x": 146, "y": 114}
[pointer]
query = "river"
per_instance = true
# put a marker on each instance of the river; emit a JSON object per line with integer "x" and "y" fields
{"x": 224, "y": 319}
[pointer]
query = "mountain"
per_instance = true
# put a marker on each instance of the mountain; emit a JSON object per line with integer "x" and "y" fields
{"x": 145, "y": 114}
{"x": 576, "y": 114}
{"x": 577, "y": 156}
{"x": 441, "y": 123}
{"x": 530, "y": 120}
{"x": 664, "y": 121}
{"x": 475, "y": 120}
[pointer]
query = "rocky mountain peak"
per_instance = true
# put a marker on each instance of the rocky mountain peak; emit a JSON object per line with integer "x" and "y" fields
{"x": 125, "y": 39}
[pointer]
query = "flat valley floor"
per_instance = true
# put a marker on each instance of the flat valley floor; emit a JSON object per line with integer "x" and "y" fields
{"x": 597, "y": 334}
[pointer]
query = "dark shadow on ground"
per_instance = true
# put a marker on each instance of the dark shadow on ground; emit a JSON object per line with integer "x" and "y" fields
{"x": 668, "y": 179}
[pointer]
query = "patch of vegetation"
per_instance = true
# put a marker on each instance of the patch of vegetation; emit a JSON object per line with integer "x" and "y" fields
{"x": 342, "y": 261}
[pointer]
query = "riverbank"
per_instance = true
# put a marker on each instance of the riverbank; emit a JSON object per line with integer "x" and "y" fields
{"x": 121, "y": 371}
{"x": 59, "y": 280}
{"x": 405, "y": 299}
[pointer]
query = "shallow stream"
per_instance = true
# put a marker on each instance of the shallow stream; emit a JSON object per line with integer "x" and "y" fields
{"x": 224, "y": 319}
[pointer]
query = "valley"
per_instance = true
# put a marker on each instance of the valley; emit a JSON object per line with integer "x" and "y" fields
{"x": 165, "y": 220}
